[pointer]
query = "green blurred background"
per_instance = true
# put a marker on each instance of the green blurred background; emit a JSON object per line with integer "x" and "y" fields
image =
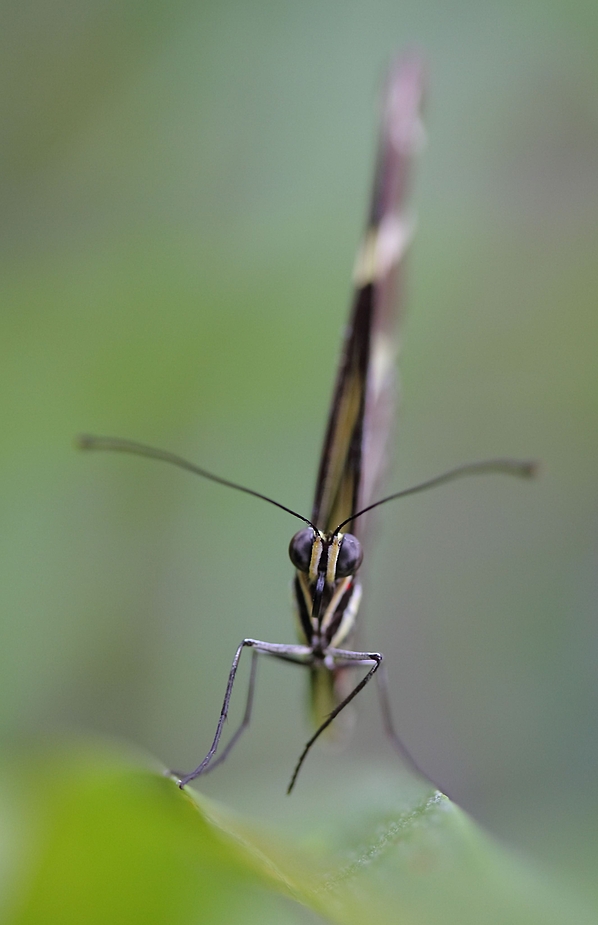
{"x": 182, "y": 188}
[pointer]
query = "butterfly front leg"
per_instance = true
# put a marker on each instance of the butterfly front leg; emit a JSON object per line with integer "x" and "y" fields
{"x": 347, "y": 658}
{"x": 340, "y": 658}
{"x": 300, "y": 655}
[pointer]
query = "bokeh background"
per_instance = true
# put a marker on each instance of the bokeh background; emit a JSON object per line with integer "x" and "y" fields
{"x": 182, "y": 191}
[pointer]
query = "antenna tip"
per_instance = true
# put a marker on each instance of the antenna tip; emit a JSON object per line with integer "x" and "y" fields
{"x": 531, "y": 469}
{"x": 84, "y": 441}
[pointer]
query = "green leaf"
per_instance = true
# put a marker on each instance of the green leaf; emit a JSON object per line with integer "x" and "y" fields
{"x": 99, "y": 839}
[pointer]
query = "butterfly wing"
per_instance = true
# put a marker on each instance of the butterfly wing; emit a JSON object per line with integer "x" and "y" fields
{"x": 361, "y": 414}
{"x": 354, "y": 450}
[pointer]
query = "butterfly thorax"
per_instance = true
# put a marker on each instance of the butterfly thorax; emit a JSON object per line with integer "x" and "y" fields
{"x": 326, "y": 591}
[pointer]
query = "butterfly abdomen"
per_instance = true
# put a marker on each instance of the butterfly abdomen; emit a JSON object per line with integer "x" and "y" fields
{"x": 326, "y": 690}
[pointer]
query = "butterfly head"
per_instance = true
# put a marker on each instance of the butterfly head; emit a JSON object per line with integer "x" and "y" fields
{"x": 315, "y": 553}
{"x": 324, "y": 560}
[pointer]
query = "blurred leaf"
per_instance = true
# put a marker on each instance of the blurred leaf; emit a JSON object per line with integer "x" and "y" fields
{"x": 109, "y": 842}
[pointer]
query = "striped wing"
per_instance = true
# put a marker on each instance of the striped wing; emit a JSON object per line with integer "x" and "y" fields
{"x": 361, "y": 414}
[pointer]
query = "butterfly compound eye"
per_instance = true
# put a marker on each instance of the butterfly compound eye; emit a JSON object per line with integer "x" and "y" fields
{"x": 349, "y": 556}
{"x": 300, "y": 549}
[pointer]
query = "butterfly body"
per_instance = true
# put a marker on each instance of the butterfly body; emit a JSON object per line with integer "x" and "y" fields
{"x": 326, "y": 593}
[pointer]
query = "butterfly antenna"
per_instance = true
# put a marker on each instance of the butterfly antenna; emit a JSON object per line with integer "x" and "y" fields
{"x": 92, "y": 442}
{"x": 521, "y": 468}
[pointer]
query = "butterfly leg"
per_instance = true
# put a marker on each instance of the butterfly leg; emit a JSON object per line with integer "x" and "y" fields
{"x": 246, "y": 717}
{"x": 387, "y": 721}
{"x": 293, "y": 653}
{"x": 248, "y": 707}
{"x": 342, "y": 658}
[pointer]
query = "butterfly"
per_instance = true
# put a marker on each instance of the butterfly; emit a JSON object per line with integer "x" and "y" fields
{"x": 328, "y": 551}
